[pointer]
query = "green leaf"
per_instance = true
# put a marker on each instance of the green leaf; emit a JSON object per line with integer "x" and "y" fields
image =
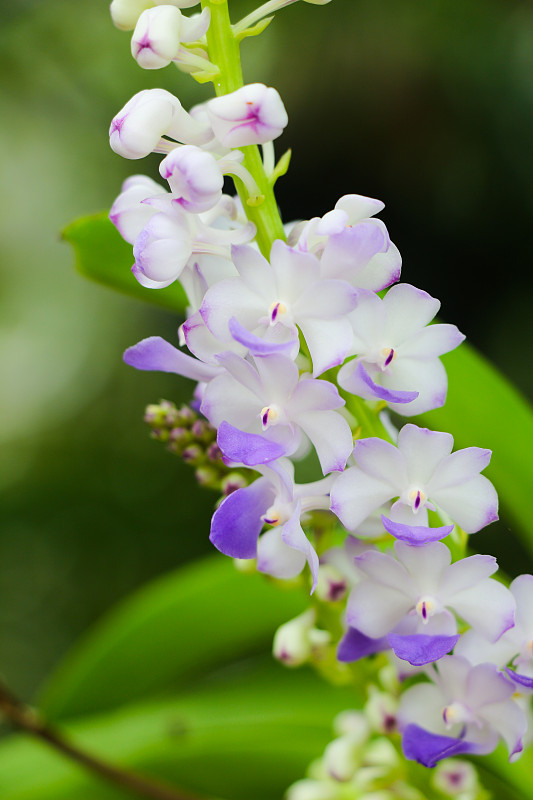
{"x": 177, "y": 628}
{"x": 104, "y": 256}
{"x": 485, "y": 410}
{"x": 246, "y": 733}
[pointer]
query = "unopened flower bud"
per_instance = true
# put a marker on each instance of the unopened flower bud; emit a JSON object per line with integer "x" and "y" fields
{"x": 232, "y": 482}
{"x": 129, "y": 214}
{"x": 342, "y": 758}
{"x": 381, "y": 711}
{"x": 156, "y": 38}
{"x": 138, "y": 128}
{"x": 291, "y": 641}
{"x": 159, "y": 32}
{"x": 247, "y": 566}
{"x": 194, "y": 177}
{"x": 207, "y": 477}
{"x": 381, "y": 753}
{"x": 254, "y": 114}
{"x": 193, "y": 453}
{"x": 353, "y": 724}
{"x": 125, "y": 13}
{"x": 214, "y": 453}
{"x": 331, "y": 586}
{"x": 454, "y": 778}
{"x": 308, "y": 789}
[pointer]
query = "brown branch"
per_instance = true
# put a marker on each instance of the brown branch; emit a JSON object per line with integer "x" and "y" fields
{"x": 25, "y": 718}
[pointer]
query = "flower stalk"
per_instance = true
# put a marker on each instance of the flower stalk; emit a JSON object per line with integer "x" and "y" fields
{"x": 224, "y": 51}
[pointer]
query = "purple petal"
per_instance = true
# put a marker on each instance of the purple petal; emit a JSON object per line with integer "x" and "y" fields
{"x": 255, "y": 344}
{"x": 159, "y": 355}
{"x": 415, "y": 535}
{"x": 355, "y": 645}
{"x": 430, "y": 748}
{"x": 237, "y": 522}
{"x": 522, "y": 680}
{"x": 248, "y": 448}
{"x": 361, "y": 374}
{"x": 419, "y": 648}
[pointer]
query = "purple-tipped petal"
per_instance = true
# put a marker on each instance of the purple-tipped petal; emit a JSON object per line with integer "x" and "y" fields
{"x": 237, "y": 522}
{"x": 419, "y": 648}
{"x": 362, "y": 378}
{"x": 415, "y": 535}
{"x": 255, "y": 344}
{"x": 355, "y": 645}
{"x": 159, "y": 355}
{"x": 430, "y": 748}
{"x": 248, "y": 448}
{"x": 522, "y": 680}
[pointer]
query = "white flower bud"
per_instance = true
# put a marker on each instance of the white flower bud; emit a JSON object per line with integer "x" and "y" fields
{"x": 156, "y": 38}
{"x": 381, "y": 711}
{"x": 128, "y": 213}
{"x": 292, "y": 645}
{"x": 125, "y": 13}
{"x": 353, "y": 724}
{"x": 307, "y": 789}
{"x": 342, "y": 758}
{"x": 194, "y": 178}
{"x": 253, "y": 114}
{"x": 454, "y": 777}
{"x": 332, "y": 585}
{"x": 137, "y": 129}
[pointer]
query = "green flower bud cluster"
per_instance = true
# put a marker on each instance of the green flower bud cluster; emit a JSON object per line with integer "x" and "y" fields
{"x": 193, "y": 438}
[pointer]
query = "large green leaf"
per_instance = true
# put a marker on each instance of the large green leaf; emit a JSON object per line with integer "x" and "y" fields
{"x": 175, "y": 629}
{"x": 484, "y": 409}
{"x": 247, "y": 732}
{"x": 104, "y": 256}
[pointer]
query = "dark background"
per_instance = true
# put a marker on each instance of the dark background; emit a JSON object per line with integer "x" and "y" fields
{"x": 425, "y": 105}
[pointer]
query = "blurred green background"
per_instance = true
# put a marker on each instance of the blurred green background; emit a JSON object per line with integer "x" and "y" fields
{"x": 426, "y": 105}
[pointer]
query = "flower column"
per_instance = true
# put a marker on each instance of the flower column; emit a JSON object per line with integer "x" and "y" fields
{"x": 223, "y": 50}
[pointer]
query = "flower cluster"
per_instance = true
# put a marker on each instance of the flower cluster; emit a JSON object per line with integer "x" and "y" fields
{"x": 296, "y": 349}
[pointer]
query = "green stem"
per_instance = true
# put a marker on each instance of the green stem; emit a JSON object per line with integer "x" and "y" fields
{"x": 224, "y": 51}
{"x": 366, "y": 417}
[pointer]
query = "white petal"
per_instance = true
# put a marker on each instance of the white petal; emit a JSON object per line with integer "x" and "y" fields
{"x": 375, "y": 609}
{"x": 488, "y": 607}
{"x": 431, "y": 342}
{"x": 472, "y": 505}
{"x": 466, "y": 573}
{"x": 509, "y": 721}
{"x": 254, "y": 270}
{"x": 355, "y": 495}
{"x": 382, "y": 461}
{"x": 522, "y": 589}
{"x": 358, "y": 207}
{"x": 425, "y": 565}
{"x": 382, "y": 270}
{"x": 276, "y": 558}
{"x": 328, "y": 341}
{"x": 408, "y": 310}
{"x": 279, "y": 376}
{"x": 294, "y": 271}
{"x": 225, "y": 399}
{"x": 422, "y": 704}
{"x": 382, "y": 568}
{"x": 331, "y": 436}
{"x": 428, "y": 378}
{"x": 231, "y": 298}
{"x": 423, "y": 450}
